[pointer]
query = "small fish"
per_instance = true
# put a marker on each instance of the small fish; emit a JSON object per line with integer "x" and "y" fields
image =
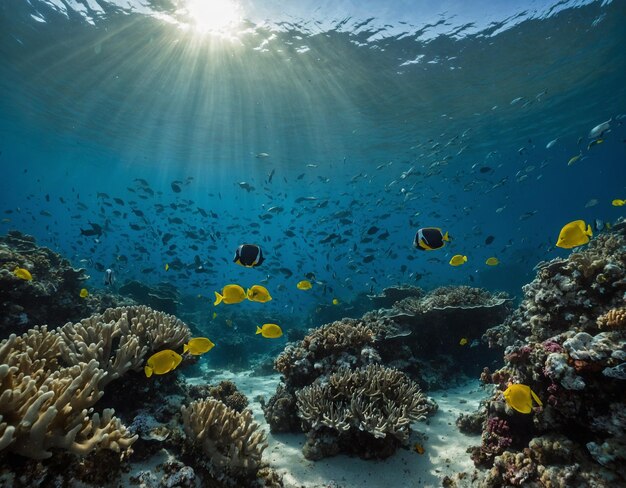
{"x": 198, "y": 345}
{"x": 430, "y": 239}
{"x": 230, "y": 295}
{"x": 23, "y": 274}
{"x": 618, "y": 202}
{"x": 418, "y": 448}
{"x": 600, "y": 129}
{"x": 591, "y": 203}
{"x": 214, "y": 315}
{"x": 249, "y": 255}
{"x": 368, "y": 259}
{"x": 489, "y": 240}
{"x": 258, "y": 293}
{"x": 176, "y": 187}
{"x": 304, "y": 285}
{"x": 492, "y": 261}
{"x": 335, "y": 301}
{"x": 574, "y": 234}
{"x": 574, "y": 159}
{"x": 109, "y": 277}
{"x": 162, "y": 362}
{"x": 84, "y": 293}
{"x": 167, "y": 266}
{"x": 269, "y": 331}
{"x": 463, "y": 341}
{"x": 551, "y": 144}
{"x": 520, "y": 397}
{"x": 372, "y": 230}
{"x": 262, "y": 155}
{"x": 595, "y": 142}
{"x": 458, "y": 260}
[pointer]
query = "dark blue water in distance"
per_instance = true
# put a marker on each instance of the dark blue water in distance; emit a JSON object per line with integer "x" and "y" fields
{"x": 395, "y": 115}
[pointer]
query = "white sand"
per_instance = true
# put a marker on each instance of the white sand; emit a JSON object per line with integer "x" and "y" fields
{"x": 445, "y": 446}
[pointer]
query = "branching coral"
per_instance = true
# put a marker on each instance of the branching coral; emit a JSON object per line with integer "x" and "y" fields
{"x": 375, "y": 400}
{"x": 50, "y": 380}
{"x": 613, "y": 319}
{"x": 231, "y": 441}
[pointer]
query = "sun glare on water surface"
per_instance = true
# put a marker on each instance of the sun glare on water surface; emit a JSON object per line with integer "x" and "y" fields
{"x": 213, "y": 16}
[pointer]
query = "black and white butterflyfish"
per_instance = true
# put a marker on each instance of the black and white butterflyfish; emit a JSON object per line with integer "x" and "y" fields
{"x": 430, "y": 238}
{"x": 249, "y": 255}
{"x": 109, "y": 277}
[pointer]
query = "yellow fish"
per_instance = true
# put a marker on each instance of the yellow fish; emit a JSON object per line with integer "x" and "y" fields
{"x": 258, "y": 293}
{"x": 492, "y": 261}
{"x": 520, "y": 398}
{"x": 618, "y": 203}
{"x": 463, "y": 341}
{"x": 335, "y": 301}
{"x": 162, "y": 362}
{"x": 167, "y": 266}
{"x": 84, "y": 293}
{"x": 304, "y": 285}
{"x": 230, "y": 294}
{"x": 23, "y": 274}
{"x": 574, "y": 234}
{"x": 198, "y": 345}
{"x": 269, "y": 331}
{"x": 574, "y": 159}
{"x": 214, "y": 315}
{"x": 458, "y": 260}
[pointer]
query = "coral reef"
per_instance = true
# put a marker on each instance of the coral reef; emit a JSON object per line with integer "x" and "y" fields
{"x": 50, "y": 380}
{"x": 393, "y": 294}
{"x": 367, "y": 411}
{"x": 567, "y": 342}
{"x": 53, "y": 295}
{"x": 224, "y": 391}
{"x": 230, "y": 441}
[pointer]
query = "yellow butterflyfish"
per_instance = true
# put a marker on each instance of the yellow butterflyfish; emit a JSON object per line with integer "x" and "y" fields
{"x": 574, "y": 234}
{"x": 167, "y": 266}
{"x": 304, "y": 285}
{"x": 458, "y": 260}
{"x": 520, "y": 397}
{"x": 269, "y": 331}
{"x": 23, "y": 274}
{"x": 258, "y": 293}
{"x": 162, "y": 362}
{"x": 335, "y": 301}
{"x": 492, "y": 261}
{"x": 230, "y": 294}
{"x": 463, "y": 341}
{"x": 618, "y": 202}
{"x": 198, "y": 345}
{"x": 84, "y": 293}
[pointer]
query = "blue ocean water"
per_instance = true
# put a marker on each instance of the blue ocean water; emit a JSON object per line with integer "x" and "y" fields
{"x": 302, "y": 127}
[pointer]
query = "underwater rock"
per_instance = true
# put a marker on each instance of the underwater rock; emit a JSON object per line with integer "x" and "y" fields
{"x": 225, "y": 391}
{"x": 567, "y": 343}
{"x": 53, "y": 295}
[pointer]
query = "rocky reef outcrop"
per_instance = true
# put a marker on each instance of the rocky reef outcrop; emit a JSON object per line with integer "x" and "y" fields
{"x": 567, "y": 341}
{"x": 383, "y": 344}
{"x": 52, "y": 296}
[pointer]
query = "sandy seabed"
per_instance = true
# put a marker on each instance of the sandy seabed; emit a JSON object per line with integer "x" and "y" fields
{"x": 445, "y": 446}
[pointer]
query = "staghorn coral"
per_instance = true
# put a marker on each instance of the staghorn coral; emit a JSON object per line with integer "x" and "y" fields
{"x": 231, "y": 441}
{"x": 374, "y": 404}
{"x": 51, "y": 380}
